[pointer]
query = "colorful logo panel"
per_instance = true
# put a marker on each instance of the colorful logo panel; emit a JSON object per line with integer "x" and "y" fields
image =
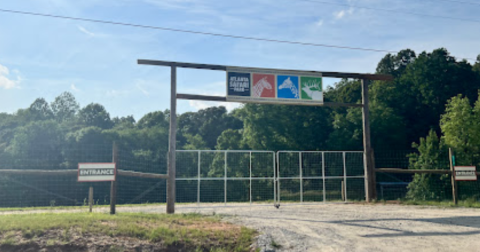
{"x": 311, "y": 88}
{"x": 287, "y": 87}
{"x": 263, "y": 85}
{"x": 238, "y": 84}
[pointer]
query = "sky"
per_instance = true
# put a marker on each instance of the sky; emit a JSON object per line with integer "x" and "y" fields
{"x": 43, "y": 57}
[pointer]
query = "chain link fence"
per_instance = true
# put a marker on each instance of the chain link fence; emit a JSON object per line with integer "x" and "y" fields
{"x": 320, "y": 176}
{"x": 209, "y": 176}
{"x": 47, "y": 176}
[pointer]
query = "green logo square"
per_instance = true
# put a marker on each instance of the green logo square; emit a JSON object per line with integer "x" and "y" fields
{"x": 311, "y": 88}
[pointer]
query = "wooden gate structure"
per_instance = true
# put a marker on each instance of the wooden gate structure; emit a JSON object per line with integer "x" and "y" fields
{"x": 370, "y": 188}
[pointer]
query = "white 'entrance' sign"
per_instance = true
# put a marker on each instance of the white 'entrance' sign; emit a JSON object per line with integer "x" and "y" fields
{"x": 96, "y": 172}
{"x": 465, "y": 173}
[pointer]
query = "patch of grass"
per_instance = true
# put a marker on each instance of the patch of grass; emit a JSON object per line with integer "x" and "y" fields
{"x": 8, "y": 238}
{"x": 51, "y": 242}
{"x": 188, "y": 230}
{"x": 274, "y": 244}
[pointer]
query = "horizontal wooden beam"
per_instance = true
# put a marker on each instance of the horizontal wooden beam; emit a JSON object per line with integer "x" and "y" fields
{"x": 411, "y": 171}
{"x": 384, "y": 77}
{"x": 224, "y": 99}
{"x": 75, "y": 172}
{"x": 38, "y": 172}
{"x": 142, "y": 175}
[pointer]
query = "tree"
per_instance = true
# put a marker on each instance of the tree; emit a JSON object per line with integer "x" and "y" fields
{"x": 40, "y": 110}
{"x": 37, "y": 144}
{"x": 230, "y": 139}
{"x": 396, "y": 64}
{"x": 208, "y": 123}
{"x": 431, "y": 155}
{"x": 65, "y": 107}
{"x": 419, "y": 93}
{"x": 126, "y": 122}
{"x": 95, "y": 115}
{"x": 154, "y": 119}
{"x": 461, "y": 128}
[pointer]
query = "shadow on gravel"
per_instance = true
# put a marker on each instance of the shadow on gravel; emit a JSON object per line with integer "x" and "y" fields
{"x": 464, "y": 221}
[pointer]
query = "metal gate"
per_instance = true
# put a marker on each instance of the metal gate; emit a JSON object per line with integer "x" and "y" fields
{"x": 219, "y": 176}
{"x": 320, "y": 176}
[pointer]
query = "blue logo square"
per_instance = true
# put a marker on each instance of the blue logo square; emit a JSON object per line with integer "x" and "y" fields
{"x": 287, "y": 87}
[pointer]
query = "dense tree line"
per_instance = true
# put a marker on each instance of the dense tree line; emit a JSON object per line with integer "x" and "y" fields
{"x": 432, "y": 103}
{"x": 402, "y": 111}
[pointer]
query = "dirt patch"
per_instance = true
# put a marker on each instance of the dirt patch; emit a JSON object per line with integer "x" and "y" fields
{"x": 59, "y": 240}
{"x": 73, "y": 240}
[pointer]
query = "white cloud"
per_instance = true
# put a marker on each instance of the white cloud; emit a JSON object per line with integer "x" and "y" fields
{"x": 319, "y": 22}
{"x": 74, "y": 88}
{"x": 82, "y": 29}
{"x": 117, "y": 93}
{"x": 341, "y": 14}
{"x": 143, "y": 90}
{"x": 5, "y": 81}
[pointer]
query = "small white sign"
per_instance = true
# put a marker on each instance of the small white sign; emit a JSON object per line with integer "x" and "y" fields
{"x": 465, "y": 173}
{"x": 96, "y": 172}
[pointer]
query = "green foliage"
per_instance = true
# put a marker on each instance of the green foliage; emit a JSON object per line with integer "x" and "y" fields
{"x": 95, "y": 115}
{"x": 461, "y": 128}
{"x": 431, "y": 152}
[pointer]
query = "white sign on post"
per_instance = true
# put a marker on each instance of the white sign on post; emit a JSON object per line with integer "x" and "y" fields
{"x": 96, "y": 172}
{"x": 465, "y": 173}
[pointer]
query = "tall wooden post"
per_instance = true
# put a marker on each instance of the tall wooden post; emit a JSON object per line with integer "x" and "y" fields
{"x": 172, "y": 143}
{"x": 370, "y": 186}
{"x": 452, "y": 177}
{"x": 113, "y": 185}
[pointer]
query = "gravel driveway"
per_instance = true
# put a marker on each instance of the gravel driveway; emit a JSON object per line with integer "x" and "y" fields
{"x": 345, "y": 227}
{"x": 355, "y": 227}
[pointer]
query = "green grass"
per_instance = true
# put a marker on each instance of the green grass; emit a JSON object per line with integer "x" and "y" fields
{"x": 191, "y": 230}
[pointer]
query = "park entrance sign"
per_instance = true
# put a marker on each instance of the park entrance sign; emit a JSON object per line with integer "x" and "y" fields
{"x": 465, "y": 173}
{"x": 96, "y": 172}
{"x": 275, "y": 86}
{"x": 245, "y": 85}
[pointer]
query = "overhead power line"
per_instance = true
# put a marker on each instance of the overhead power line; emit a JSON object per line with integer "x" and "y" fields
{"x": 196, "y": 32}
{"x": 392, "y": 10}
{"x": 201, "y": 32}
{"x": 462, "y": 2}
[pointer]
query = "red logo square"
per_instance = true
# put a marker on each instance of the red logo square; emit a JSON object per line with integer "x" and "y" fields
{"x": 263, "y": 85}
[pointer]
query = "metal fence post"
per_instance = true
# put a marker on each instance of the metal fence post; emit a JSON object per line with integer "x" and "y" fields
{"x": 198, "y": 184}
{"x": 301, "y": 175}
{"x": 274, "y": 179}
{"x": 323, "y": 178}
{"x": 344, "y": 187}
{"x": 225, "y": 186}
{"x": 278, "y": 177}
{"x": 250, "y": 177}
